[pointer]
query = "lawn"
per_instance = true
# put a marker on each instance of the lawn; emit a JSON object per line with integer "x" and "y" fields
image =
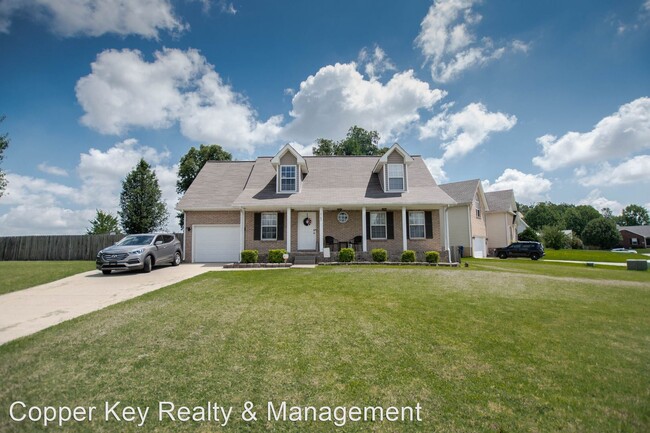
{"x": 21, "y": 275}
{"x": 591, "y": 255}
{"x": 493, "y": 347}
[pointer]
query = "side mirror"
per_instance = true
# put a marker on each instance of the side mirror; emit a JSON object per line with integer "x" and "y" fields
{"x": 158, "y": 243}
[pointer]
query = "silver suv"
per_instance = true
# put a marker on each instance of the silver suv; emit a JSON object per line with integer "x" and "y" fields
{"x": 142, "y": 251}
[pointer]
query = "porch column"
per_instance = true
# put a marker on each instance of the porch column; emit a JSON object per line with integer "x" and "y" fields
{"x": 242, "y": 230}
{"x": 185, "y": 234}
{"x": 446, "y": 211}
{"x": 404, "y": 228}
{"x": 288, "y": 228}
{"x": 320, "y": 229}
{"x": 364, "y": 243}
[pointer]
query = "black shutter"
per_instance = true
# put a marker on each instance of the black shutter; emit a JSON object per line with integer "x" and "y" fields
{"x": 367, "y": 225}
{"x": 428, "y": 224}
{"x": 257, "y": 226}
{"x": 280, "y": 226}
{"x": 408, "y": 226}
{"x": 390, "y": 230}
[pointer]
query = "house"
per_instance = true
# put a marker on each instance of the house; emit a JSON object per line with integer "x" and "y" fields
{"x": 501, "y": 219}
{"x": 467, "y": 218}
{"x": 315, "y": 205}
{"x": 635, "y": 236}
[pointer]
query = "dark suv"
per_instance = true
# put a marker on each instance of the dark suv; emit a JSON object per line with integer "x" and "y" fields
{"x": 534, "y": 250}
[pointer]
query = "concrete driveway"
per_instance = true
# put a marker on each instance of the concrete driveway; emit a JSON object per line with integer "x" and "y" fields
{"x": 30, "y": 310}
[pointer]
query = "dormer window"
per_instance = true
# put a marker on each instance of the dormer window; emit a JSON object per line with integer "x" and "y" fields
{"x": 288, "y": 178}
{"x": 395, "y": 177}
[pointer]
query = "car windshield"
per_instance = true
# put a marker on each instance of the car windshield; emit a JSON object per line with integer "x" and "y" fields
{"x": 136, "y": 240}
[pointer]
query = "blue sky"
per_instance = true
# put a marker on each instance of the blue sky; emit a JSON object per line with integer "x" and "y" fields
{"x": 548, "y": 98}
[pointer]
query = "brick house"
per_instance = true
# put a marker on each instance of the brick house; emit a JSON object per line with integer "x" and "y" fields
{"x": 635, "y": 236}
{"x": 315, "y": 205}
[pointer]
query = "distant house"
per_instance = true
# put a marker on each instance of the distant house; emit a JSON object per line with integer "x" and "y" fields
{"x": 467, "y": 218}
{"x": 502, "y": 219}
{"x": 635, "y": 236}
{"x": 313, "y": 205}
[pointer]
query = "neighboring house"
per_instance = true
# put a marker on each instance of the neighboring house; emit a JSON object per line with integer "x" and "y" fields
{"x": 502, "y": 219}
{"x": 309, "y": 205}
{"x": 635, "y": 236}
{"x": 467, "y": 218}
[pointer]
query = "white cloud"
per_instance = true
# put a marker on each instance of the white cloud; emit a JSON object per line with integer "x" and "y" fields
{"x": 125, "y": 91}
{"x": 307, "y": 150}
{"x": 625, "y": 132}
{"x": 375, "y": 63}
{"x": 450, "y": 46}
{"x": 635, "y": 170}
{"x": 596, "y": 199}
{"x": 528, "y": 188}
{"x": 467, "y": 129}
{"x": 38, "y": 206}
{"x": 227, "y": 7}
{"x": 51, "y": 169}
{"x": 96, "y": 17}
{"x": 435, "y": 166}
{"x": 338, "y": 96}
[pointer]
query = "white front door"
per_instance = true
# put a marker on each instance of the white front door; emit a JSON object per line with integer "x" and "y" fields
{"x": 306, "y": 230}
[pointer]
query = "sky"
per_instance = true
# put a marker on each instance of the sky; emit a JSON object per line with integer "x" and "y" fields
{"x": 551, "y": 99}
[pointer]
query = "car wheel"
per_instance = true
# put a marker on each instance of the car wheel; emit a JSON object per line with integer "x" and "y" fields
{"x": 534, "y": 256}
{"x": 177, "y": 258}
{"x": 147, "y": 265}
{"x": 503, "y": 255}
{"x": 106, "y": 271}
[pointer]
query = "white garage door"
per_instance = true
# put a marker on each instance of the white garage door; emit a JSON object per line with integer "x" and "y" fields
{"x": 215, "y": 243}
{"x": 479, "y": 247}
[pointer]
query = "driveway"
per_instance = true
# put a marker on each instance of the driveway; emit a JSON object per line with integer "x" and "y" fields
{"x": 30, "y": 310}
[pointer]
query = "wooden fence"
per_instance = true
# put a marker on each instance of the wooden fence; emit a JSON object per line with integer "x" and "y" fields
{"x": 57, "y": 247}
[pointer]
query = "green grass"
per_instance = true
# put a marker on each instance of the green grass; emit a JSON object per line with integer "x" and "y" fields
{"x": 21, "y": 275}
{"x": 591, "y": 255}
{"x": 493, "y": 347}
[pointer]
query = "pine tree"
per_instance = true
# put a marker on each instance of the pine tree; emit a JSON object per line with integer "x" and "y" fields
{"x": 141, "y": 207}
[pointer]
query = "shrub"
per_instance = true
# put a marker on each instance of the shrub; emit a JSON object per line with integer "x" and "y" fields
{"x": 379, "y": 255}
{"x": 346, "y": 255}
{"x": 601, "y": 232}
{"x": 275, "y": 256}
{"x": 408, "y": 256}
{"x": 528, "y": 235}
{"x": 432, "y": 256}
{"x": 553, "y": 237}
{"x": 576, "y": 243}
{"x": 249, "y": 256}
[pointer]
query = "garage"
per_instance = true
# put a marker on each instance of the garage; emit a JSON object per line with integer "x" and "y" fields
{"x": 479, "y": 247}
{"x": 215, "y": 243}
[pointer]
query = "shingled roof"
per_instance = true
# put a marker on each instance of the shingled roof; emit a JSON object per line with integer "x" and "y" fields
{"x": 501, "y": 201}
{"x": 333, "y": 181}
{"x": 462, "y": 192}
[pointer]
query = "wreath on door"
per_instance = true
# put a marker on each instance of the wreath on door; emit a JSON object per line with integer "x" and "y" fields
{"x": 307, "y": 221}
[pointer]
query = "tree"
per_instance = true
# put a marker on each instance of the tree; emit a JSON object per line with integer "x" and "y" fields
{"x": 553, "y": 237}
{"x": 4, "y": 143}
{"x": 543, "y": 214}
{"x": 358, "y": 141}
{"x": 104, "y": 223}
{"x": 141, "y": 207}
{"x": 528, "y": 235}
{"x": 634, "y": 215}
{"x": 607, "y": 213}
{"x": 190, "y": 165}
{"x": 194, "y": 160}
{"x": 576, "y": 218}
{"x": 602, "y": 233}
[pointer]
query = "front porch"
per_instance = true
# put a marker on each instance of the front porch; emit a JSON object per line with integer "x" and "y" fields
{"x": 323, "y": 232}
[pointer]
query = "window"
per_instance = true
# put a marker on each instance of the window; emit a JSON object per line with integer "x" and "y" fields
{"x": 395, "y": 177}
{"x": 377, "y": 225}
{"x": 342, "y": 217}
{"x": 635, "y": 241}
{"x": 269, "y": 226}
{"x": 416, "y": 225}
{"x": 288, "y": 177}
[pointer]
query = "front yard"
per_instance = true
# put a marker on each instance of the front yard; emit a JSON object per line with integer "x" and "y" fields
{"x": 494, "y": 347}
{"x": 592, "y": 255}
{"x": 21, "y": 275}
